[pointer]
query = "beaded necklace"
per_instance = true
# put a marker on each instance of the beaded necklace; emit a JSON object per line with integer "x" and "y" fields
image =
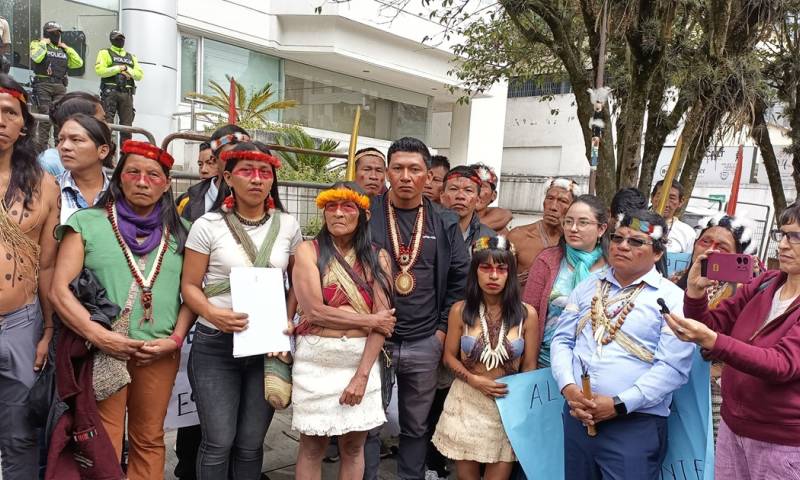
{"x": 145, "y": 284}
{"x": 497, "y": 356}
{"x": 405, "y": 255}
{"x": 603, "y": 324}
{"x": 251, "y": 223}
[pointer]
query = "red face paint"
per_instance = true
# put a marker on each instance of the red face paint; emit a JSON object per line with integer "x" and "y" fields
{"x": 498, "y": 268}
{"x": 251, "y": 173}
{"x": 345, "y": 207}
{"x": 149, "y": 178}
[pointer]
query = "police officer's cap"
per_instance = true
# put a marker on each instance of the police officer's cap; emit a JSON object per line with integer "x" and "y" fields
{"x": 115, "y": 34}
{"x": 52, "y": 26}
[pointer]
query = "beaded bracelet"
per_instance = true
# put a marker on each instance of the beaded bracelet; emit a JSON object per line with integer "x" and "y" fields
{"x": 177, "y": 339}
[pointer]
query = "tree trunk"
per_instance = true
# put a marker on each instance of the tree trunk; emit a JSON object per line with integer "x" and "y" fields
{"x": 698, "y": 144}
{"x": 659, "y": 125}
{"x": 760, "y": 134}
{"x": 631, "y": 141}
{"x": 794, "y": 123}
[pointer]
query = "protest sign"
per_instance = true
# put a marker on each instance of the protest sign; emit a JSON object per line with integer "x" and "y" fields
{"x": 678, "y": 262}
{"x": 181, "y": 411}
{"x": 531, "y": 414}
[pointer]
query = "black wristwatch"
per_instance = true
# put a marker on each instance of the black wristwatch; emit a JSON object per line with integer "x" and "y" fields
{"x": 619, "y": 406}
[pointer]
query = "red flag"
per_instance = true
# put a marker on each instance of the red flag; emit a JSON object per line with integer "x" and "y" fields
{"x": 737, "y": 178}
{"x": 232, "y": 105}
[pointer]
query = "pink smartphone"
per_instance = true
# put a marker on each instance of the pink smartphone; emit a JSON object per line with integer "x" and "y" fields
{"x": 728, "y": 267}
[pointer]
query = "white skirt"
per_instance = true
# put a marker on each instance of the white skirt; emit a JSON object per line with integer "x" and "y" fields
{"x": 322, "y": 369}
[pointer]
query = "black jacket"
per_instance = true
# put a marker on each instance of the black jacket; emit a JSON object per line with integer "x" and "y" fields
{"x": 452, "y": 260}
{"x": 195, "y": 198}
{"x": 476, "y": 231}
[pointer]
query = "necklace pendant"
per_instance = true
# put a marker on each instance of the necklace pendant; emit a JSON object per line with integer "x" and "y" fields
{"x": 404, "y": 283}
{"x": 404, "y": 259}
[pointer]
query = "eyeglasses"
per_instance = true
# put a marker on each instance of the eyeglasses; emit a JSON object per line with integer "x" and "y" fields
{"x": 632, "y": 241}
{"x": 778, "y": 235}
{"x": 582, "y": 223}
{"x": 149, "y": 178}
{"x": 497, "y": 268}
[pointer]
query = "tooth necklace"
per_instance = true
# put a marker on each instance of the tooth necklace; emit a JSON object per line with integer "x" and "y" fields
{"x": 492, "y": 357}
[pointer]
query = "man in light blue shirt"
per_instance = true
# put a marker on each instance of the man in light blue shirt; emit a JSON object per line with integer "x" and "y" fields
{"x": 633, "y": 359}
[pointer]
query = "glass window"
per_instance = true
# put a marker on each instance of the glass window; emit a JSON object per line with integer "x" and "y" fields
{"x": 328, "y": 100}
{"x": 188, "y": 65}
{"x": 251, "y": 69}
{"x": 86, "y": 26}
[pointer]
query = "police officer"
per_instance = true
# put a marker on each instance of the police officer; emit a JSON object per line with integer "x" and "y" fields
{"x": 51, "y": 58}
{"x": 118, "y": 71}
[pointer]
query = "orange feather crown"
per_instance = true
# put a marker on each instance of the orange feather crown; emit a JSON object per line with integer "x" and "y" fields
{"x": 148, "y": 150}
{"x": 250, "y": 155}
{"x": 342, "y": 195}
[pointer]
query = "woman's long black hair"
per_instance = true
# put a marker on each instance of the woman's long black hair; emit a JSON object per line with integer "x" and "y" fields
{"x": 169, "y": 214}
{"x": 225, "y": 190}
{"x": 26, "y": 173}
{"x": 366, "y": 255}
{"x": 513, "y": 310}
{"x": 99, "y": 133}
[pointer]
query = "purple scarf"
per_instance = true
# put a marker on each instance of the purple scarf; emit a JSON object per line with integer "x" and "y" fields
{"x": 132, "y": 226}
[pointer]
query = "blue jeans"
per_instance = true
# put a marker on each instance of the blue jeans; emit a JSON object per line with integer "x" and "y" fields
{"x": 234, "y": 416}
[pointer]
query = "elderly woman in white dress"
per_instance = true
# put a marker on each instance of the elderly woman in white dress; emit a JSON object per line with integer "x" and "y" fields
{"x": 342, "y": 287}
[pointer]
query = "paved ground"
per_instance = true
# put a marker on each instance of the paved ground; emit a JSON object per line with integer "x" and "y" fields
{"x": 280, "y": 453}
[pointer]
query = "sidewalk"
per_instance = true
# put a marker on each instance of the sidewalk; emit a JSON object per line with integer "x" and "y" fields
{"x": 280, "y": 453}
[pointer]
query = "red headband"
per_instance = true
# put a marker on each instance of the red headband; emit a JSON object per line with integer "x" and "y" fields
{"x": 148, "y": 150}
{"x": 250, "y": 155}
{"x": 473, "y": 177}
{"x": 18, "y": 95}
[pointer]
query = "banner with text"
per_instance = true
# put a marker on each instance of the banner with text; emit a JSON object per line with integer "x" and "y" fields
{"x": 531, "y": 414}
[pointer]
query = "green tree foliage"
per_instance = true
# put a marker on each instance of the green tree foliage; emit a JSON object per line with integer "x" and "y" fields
{"x": 668, "y": 61}
{"x": 308, "y": 167}
{"x": 252, "y": 108}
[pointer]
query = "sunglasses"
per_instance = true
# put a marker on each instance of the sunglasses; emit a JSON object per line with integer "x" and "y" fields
{"x": 148, "y": 178}
{"x": 632, "y": 241}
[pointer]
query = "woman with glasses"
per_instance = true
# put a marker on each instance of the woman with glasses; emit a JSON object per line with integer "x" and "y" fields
{"x": 490, "y": 334}
{"x": 756, "y": 333}
{"x": 558, "y": 269}
{"x": 724, "y": 234}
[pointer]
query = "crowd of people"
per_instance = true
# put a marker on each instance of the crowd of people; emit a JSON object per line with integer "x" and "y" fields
{"x": 414, "y": 285}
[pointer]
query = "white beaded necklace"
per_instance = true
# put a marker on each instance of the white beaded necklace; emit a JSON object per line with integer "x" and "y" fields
{"x": 492, "y": 357}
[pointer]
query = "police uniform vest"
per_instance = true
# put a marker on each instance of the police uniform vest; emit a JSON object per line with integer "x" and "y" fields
{"x": 53, "y": 65}
{"x": 119, "y": 80}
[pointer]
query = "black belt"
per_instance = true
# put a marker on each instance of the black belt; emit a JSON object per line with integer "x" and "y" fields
{"x": 117, "y": 88}
{"x": 48, "y": 80}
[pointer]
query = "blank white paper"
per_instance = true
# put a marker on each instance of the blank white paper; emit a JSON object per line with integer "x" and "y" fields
{"x": 259, "y": 293}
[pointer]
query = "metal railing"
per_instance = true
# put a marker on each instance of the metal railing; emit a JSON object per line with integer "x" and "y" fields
{"x": 40, "y": 117}
{"x": 201, "y": 137}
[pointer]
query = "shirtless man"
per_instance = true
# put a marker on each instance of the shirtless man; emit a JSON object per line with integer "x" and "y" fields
{"x": 531, "y": 239}
{"x": 495, "y": 218}
{"x": 29, "y": 213}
